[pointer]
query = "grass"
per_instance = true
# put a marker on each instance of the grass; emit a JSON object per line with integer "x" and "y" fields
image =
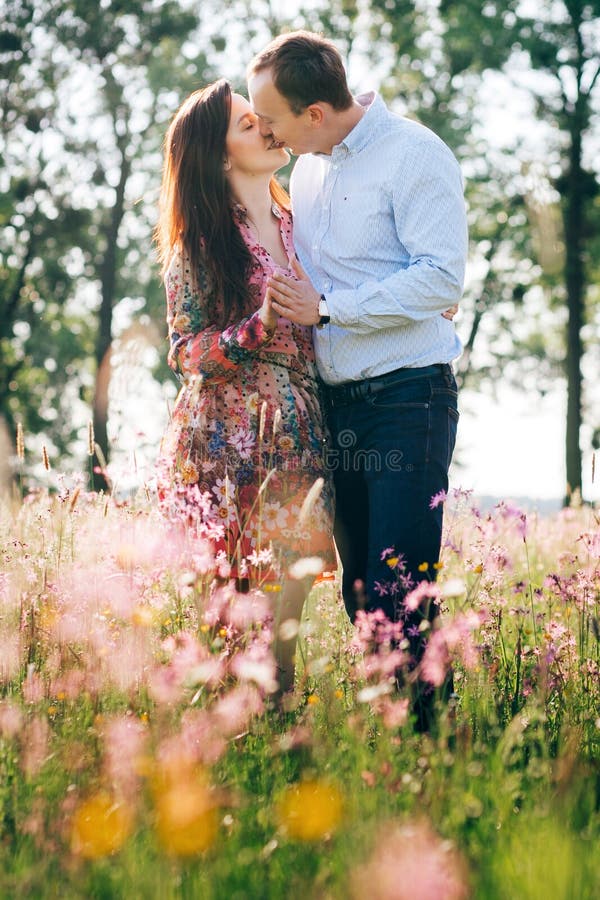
{"x": 139, "y": 756}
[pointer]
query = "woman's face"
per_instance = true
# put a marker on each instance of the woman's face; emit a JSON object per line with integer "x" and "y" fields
{"x": 247, "y": 150}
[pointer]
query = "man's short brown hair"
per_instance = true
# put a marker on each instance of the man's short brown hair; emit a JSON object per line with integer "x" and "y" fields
{"x": 307, "y": 68}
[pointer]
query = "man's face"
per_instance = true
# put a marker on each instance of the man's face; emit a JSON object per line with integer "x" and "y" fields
{"x": 276, "y": 119}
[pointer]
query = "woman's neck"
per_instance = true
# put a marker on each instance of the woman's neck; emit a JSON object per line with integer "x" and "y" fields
{"x": 254, "y": 195}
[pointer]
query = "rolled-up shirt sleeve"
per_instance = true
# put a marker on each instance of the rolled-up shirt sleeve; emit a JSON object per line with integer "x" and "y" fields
{"x": 431, "y": 224}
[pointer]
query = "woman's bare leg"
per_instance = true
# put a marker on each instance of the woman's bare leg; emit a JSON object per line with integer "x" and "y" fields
{"x": 288, "y": 605}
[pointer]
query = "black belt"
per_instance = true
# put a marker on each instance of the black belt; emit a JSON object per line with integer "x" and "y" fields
{"x": 352, "y": 391}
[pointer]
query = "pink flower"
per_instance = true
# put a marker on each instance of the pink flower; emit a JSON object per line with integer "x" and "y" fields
{"x": 11, "y": 719}
{"x": 124, "y": 741}
{"x": 395, "y": 712}
{"x": 235, "y": 709}
{"x": 35, "y": 745}
{"x": 411, "y": 862}
{"x": 438, "y": 498}
{"x": 425, "y": 590}
{"x": 261, "y": 669}
{"x": 33, "y": 687}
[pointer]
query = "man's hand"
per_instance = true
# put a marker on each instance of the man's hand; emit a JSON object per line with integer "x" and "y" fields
{"x": 295, "y": 298}
{"x": 450, "y": 313}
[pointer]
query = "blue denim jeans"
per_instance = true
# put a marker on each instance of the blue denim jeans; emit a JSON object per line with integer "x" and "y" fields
{"x": 391, "y": 453}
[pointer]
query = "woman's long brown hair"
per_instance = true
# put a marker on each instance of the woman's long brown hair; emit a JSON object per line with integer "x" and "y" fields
{"x": 196, "y": 203}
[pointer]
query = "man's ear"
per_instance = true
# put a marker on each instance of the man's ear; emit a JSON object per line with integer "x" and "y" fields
{"x": 316, "y": 114}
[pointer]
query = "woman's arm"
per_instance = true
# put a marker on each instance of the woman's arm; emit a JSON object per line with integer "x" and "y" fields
{"x": 198, "y": 348}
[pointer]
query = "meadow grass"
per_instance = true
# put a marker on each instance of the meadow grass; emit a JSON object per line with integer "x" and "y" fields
{"x": 140, "y": 755}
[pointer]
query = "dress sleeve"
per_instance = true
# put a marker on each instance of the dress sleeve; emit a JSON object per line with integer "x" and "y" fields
{"x": 196, "y": 346}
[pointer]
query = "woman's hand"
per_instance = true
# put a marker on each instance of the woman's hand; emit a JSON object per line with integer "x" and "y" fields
{"x": 267, "y": 314}
{"x": 294, "y": 297}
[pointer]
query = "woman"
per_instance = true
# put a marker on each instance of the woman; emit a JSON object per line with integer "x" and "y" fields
{"x": 247, "y": 427}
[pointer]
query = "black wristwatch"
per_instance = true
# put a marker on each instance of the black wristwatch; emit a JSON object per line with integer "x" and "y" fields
{"x": 325, "y": 318}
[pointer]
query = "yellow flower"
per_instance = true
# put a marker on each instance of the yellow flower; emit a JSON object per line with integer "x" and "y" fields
{"x": 338, "y": 693}
{"x": 438, "y": 566}
{"x": 423, "y": 567}
{"x": 186, "y": 816}
{"x": 312, "y": 700}
{"x": 310, "y": 810}
{"x": 142, "y": 616}
{"x": 101, "y": 825}
{"x": 392, "y": 562}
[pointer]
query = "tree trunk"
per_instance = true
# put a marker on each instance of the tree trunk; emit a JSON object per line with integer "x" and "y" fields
{"x": 108, "y": 279}
{"x": 575, "y": 285}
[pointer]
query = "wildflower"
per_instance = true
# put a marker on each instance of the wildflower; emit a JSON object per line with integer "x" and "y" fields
{"x": 392, "y": 562}
{"x": 263, "y": 416}
{"x": 261, "y": 669}
{"x": 11, "y": 719}
{"x": 411, "y": 862}
{"x": 20, "y": 443}
{"x": 310, "y": 565}
{"x": 425, "y": 590}
{"x": 422, "y": 567}
{"x": 313, "y": 699}
{"x": 234, "y": 710}
{"x": 437, "y": 499}
{"x": 100, "y": 827}
{"x": 309, "y": 501}
{"x": 454, "y": 587}
{"x": 186, "y": 816}
{"x": 276, "y": 421}
{"x": 91, "y": 439}
{"x": 310, "y": 810}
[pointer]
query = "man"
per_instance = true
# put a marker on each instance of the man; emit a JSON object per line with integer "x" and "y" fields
{"x": 380, "y": 229}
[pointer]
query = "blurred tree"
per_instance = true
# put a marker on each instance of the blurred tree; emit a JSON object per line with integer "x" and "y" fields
{"x": 561, "y": 43}
{"x": 121, "y": 48}
{"x": 43, "y": 343}
{"x": 88, "y": 91}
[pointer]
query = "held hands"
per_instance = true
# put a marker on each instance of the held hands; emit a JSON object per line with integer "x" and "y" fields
{"x": 267, "y": 314}
{"x": 294, "y": 297}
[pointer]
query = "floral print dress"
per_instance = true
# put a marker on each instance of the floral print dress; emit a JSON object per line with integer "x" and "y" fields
{"x": 247, "y": 438}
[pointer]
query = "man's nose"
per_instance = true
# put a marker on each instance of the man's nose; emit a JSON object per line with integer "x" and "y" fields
{"x": 264, "y": 129}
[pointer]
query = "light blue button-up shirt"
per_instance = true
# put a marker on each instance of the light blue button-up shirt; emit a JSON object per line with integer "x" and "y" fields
{"x": 380, "y": 227}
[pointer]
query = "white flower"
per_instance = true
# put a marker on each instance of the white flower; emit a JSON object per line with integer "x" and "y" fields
{"x": 373, "y": 692}
{"x": 310, "y": 565}
{"x": 454, "y": 587}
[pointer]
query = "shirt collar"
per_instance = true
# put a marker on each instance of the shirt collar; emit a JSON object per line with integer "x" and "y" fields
{"x": 364, "y": 130}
